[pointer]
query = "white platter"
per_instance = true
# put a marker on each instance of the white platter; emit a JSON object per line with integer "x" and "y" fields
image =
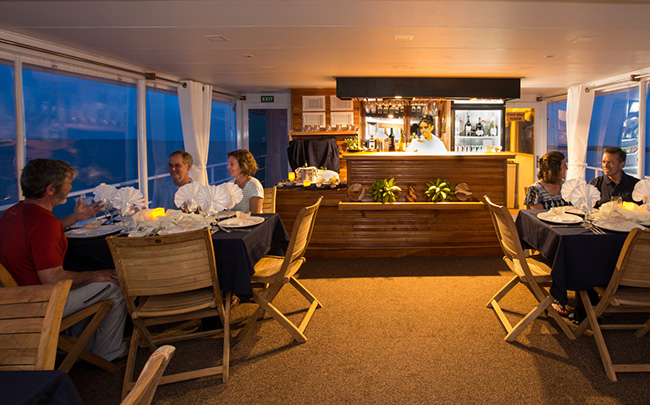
{"x": 559, "y": 219}
{"x": 225, "y": 214}
{"x": 92, "y": 233}
{"x": 241, "y": 223}
{"x": 625, "y": 226}
{"x": 178, "y": 229}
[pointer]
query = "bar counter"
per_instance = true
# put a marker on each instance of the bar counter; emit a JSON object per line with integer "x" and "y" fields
{"x": 346, "y": 228}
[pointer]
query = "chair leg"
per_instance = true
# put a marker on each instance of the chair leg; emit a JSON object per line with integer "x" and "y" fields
{"x": 530, "y": 317}
{"x": 225, "y": 373}
{"x": 128, "y": 382}
{"x": 645, "y": 329}
{"x": 598, "y": 335}
{"x": 250, "y": 322}
{"x": 78, "y": 347}
{"x": 503, "y": 291}
{"x": 315, "y": 304}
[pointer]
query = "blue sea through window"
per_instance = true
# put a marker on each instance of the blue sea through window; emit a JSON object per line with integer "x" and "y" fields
{"x": 8, "y": 180}
{"x": 88, "y": 123}
{"x": 614, "y": 122}
{"x": 223, "y": 139}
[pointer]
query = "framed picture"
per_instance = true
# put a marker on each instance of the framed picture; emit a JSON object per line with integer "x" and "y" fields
{"x": 313, "y": 103}
{"x": 313, "y": 119}
{"x": 341, "y": 118}
{"x": 336, "y": 104}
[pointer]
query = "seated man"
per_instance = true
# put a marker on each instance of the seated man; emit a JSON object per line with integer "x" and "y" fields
{"x": 33, "y": 245}
{"x": 180, "y": 163}
{"x": 614, "y": 182}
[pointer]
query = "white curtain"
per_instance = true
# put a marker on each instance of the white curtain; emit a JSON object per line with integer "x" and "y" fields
{"x": 579, "y": 107}
{"x": 195, "y": 101}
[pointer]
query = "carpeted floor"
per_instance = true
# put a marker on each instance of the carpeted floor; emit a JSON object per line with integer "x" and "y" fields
{"x": 408, "y": 330}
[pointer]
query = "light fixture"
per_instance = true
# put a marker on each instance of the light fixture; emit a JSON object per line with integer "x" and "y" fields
{"x": 584, "y": 40}
{"x": 247, "y": 55}
{"x": 403, "y": 37}
{"x": 215, "y": 38}
{"x": 267, "y": 67}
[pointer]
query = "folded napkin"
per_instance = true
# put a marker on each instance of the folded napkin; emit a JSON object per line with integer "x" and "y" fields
{"x": 234, "y": 193}
{"x": 642, "y": 192}
{"x": 580, "y": 194}
{"x": 187, "y": 194}
{"x": 104, "y": 192}
{"x": 614, "y": 213}
{"x": 128, "y": 200}
{"x": 212, "y": 199}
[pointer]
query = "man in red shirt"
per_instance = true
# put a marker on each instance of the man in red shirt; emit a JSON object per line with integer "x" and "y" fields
{"x": 33, "y": 245}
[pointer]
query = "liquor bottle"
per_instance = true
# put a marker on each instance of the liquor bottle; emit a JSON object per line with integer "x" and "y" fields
{"x": 371, "y": 143}
{"x": 468, "y": 127}
{"x": 479, "y": 128}
{"x": 493, "y": 129}
{"x": 391, "y": 137}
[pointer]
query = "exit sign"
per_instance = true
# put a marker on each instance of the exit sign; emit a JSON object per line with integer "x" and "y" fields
{"x": 268, "y": 99}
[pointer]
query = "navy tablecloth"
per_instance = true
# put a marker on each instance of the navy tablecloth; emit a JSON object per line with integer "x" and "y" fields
{"x": 580, "y": 258}
{"x": 37, "y": 388}
{"x": 235, "y": 253}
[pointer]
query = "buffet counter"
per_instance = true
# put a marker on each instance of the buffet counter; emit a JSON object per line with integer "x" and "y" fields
{"x": 346, "y": 228}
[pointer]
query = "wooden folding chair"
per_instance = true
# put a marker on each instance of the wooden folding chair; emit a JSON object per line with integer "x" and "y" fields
{"x": 75, "y": 346}
{"x": 268, "y": 205}
{"x": 146, "y": 385}
{"x": 29, "y": 325}
{"x": 273, "y": 272}
{"x": 174, "y": 278}
{"x": 530, "y": 270}
{"x": 628, "y": 291}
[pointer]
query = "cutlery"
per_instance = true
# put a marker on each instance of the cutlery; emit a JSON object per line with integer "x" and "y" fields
{"x": 593, "y": 228}
{"x": 223, "y": 229}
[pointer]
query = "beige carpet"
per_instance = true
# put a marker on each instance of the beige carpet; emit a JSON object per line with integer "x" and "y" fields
{"x": 411, "y": 330}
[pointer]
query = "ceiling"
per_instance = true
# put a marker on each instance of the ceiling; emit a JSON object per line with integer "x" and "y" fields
{"x": 275, "y": 45}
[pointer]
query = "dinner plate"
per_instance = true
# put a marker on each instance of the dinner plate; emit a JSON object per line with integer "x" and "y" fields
{"x": 625, "y": 226}
{"x": 225, "y": 214}
{"x": 92, "y": 233}
{"x": 241, "y": 223}
{"x": 559, "y": 219}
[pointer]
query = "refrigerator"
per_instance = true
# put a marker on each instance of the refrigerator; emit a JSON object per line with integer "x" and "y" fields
{"x": 477, "y": 126}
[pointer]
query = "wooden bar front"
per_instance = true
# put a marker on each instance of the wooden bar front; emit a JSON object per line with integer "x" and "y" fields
{"x": 368, "y": 229}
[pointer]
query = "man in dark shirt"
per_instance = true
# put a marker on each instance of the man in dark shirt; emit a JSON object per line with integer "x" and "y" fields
{"x": 614, "y": 182}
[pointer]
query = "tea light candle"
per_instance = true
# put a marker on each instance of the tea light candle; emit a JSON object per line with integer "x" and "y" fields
{"x": 157, "y": 212}
{"x": 292, "y": 176}
{"x": 306, "y": 183}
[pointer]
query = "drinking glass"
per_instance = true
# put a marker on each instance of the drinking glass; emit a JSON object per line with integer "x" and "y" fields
{"x": 617, "y": 200}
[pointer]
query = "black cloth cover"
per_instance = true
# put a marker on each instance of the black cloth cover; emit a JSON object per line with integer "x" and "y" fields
{"x": 323, "y": 152}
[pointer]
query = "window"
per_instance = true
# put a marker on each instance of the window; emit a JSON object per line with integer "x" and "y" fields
{"x": 89, "y": 123}
{"x": 8, "y": 180}
{"x": 614, "y": 122}
{"x": 223, "y": 139}
{"x": 556, "y": 130}
{"x": 164, "y": 134}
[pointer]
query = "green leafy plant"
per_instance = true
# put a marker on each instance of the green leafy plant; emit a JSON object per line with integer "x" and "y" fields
{"x": 439, "y": 190}
{"x": 384, "y": 190}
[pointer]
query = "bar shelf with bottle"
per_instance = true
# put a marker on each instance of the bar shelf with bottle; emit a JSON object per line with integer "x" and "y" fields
{"x": 478, "y": 127}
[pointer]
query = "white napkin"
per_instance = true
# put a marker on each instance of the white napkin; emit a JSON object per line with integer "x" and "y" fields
{"x": 234, "y": 193}
{"x": 127, "y": 199}
{"x": 187, "y": 193}
{"x": 642, "y": 192}
{"x": 212, "y": 199}
{"x": 580, "y": 194}
{"x": 569, "y": 186}
{"x": 104, "y": 192}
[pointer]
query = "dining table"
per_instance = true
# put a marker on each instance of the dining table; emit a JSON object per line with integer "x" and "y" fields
{"x": 580, "y": 258}
{"x": 235, "y": 252}
{"x": 37, "y": 387}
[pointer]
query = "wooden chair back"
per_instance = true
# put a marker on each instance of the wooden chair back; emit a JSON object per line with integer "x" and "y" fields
{"x": 632, "y": 269}
{"x": 508, "y": 236}
{"x": 300, "y": 237}
{"x": 165, "y": 264}
{"x": 29, "y": 325}
{"x": 6, "y": 278}
{"x": 147, "y": 383}
{"x": 268, "y": 205}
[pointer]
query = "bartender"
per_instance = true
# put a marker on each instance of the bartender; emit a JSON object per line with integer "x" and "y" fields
{"x": 428, "y": 142}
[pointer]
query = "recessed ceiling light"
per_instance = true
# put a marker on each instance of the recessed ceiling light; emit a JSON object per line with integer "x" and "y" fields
{"x": 549, "y": 56}
{"x": 215, "y": 38}
{"x": 400, "y": 67}
{"x": 403, "y": 37}
{"x": 267, "y": 67}
{"x": 247, "y": 55}
{"x": 584, "y": 40}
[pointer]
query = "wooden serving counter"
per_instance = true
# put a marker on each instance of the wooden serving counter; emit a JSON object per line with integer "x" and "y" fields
{"x": 346, "y": 228}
